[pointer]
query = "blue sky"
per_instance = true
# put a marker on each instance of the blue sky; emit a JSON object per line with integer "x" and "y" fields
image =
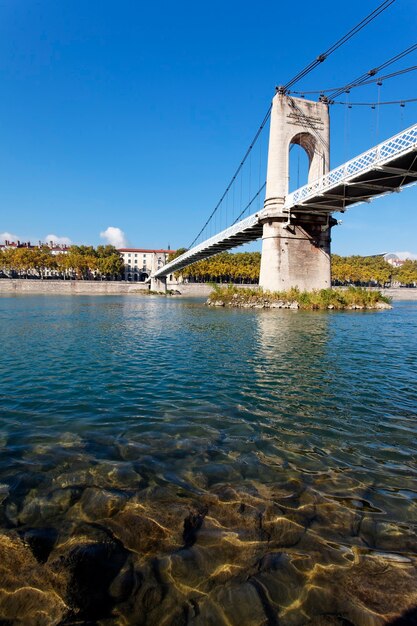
{"x": 135, "y": 115}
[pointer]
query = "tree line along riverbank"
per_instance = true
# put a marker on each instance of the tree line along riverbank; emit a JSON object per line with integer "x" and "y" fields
{"x": 244, "y": 267}
{"x": 78, "y": 262}
{"x": 106, "y": 263}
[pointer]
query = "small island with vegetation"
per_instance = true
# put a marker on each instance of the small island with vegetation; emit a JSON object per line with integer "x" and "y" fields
{"x": 352, "y": 298}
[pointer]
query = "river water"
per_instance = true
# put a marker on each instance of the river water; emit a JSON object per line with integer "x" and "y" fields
{"x": 166, "y": 463}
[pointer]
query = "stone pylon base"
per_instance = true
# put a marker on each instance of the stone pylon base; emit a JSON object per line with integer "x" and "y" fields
{"x": 296, "y": 254}
{"x": 159, "y": 284}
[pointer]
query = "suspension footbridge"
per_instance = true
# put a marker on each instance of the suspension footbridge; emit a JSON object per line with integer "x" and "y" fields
{"x": 295, "y": 227}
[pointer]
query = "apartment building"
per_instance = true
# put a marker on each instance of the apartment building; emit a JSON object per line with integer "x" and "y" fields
{"x": 140, "y": 262}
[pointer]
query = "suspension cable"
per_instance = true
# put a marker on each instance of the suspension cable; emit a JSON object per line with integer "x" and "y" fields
{"x": 361, "y": 79}
{"x": 235, "y": 175}
{"x": 346, "y": 87}
{"x": 250, "y": 203}
{"x": 322, "y": 57}
{"x": 374, "y": 104}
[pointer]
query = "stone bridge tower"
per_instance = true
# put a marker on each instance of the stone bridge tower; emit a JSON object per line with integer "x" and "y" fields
{"x": 295, "y": 245}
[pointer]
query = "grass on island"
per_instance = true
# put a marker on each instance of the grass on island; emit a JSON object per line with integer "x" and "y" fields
{"x": 337, "y": 299}
{"x": 152, "y": 292}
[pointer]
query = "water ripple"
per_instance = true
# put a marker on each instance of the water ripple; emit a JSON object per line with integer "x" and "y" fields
{"x": 166, "y": 463}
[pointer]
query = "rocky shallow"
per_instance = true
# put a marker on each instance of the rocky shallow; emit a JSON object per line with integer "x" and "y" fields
{"x": 351, "y": 299}
{"x": 269, "y": 303}
{"x": 109, "y": 542}
{"x": 163, "y": 463}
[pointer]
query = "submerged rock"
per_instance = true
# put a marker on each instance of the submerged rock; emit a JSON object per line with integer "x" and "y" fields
{"x": 93, "y": 567}
{"x": 371, "y": 590}
{"x": 96, "y": 504}
{"x": 141, "y": 533}
{"x": 41, "y": 541}
{"x": 30, "y": 593}
{"x": 46, "y": 507}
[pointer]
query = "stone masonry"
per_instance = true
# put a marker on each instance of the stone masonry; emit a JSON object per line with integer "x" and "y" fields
{"x": 296, "y": 246}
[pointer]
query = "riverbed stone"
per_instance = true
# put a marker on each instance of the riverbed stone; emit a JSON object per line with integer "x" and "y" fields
{"x": 4, "y": 492}
{"x": 139, "y": 532}
{"x": 241, "y": 605}
{"x": 96, "y": 504}
{"x": 284, "y": 532}
{"x": 47, "y": 507}
{"x": 30, "y": 593}
{"x": 93, "y": 566}
{"x": 387, "y": 536}
{"x": 41, "y": 541}
{"x": 369, "y": 591}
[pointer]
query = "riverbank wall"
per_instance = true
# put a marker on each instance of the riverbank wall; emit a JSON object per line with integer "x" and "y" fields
{"x": 108, "y": 288}
{"x": 400, "y": 293}
{"x": 96, "y": 288}
{"x": 70, "y": 287}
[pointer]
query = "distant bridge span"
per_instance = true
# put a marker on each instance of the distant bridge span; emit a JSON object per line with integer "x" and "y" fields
{"x": 386, "y": 168}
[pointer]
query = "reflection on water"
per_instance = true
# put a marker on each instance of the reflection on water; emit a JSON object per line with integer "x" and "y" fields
{"x": 166, "y": 464}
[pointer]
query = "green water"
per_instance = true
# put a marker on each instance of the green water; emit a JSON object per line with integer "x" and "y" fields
{"x": 164, "y": 463}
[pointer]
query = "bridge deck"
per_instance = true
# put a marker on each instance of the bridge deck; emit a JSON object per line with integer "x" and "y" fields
{"x": 244, "y": 231}
{"x": 386, "y": 168}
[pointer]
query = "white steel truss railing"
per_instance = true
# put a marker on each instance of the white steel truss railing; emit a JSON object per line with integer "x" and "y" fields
{"x": 360, "y": 164}
{"x": 223, "y": 236}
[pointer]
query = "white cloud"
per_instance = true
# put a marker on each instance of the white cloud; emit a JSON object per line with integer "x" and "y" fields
{"x": 58, "y": 240}
{"x": 406, "y": 255}
{"x": 114, "y": 236}
{"x": 8, "y": 237}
